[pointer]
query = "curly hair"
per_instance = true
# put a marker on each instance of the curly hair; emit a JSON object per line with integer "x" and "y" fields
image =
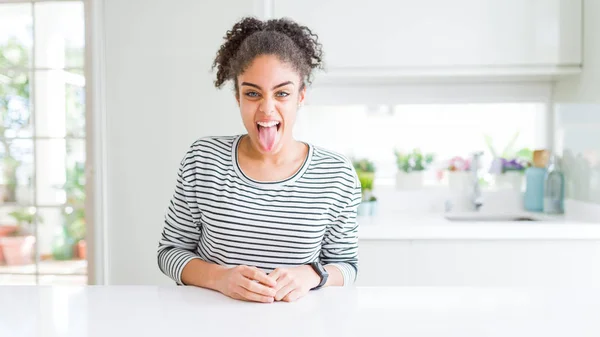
{"x": 250, "y": 37}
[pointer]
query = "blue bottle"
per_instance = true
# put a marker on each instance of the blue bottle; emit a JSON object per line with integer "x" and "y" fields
{"x": 535, "y": 178}
{"x": 554, "y": 188}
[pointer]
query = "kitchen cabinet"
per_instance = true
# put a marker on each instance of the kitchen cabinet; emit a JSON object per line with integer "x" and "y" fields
{"x": 402, "y": 38}
{"x": 479, "y": 263}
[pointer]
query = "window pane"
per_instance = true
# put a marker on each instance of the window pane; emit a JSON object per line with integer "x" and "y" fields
{"x": 59, "y": 34}
{"x": 70, "y": 280}
{"x": 60, "y": 172}
{"x": 15, "y": 104}
{"x": 16, "y": 171}
{"x": 61, "y": 240}
{"x": 8, "y": 279}
{"x": 445, "y": 130}
{"x": 59, "y": 103}
{"x": 15, "y": 35}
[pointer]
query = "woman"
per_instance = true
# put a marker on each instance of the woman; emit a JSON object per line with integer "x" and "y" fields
{"x": 261, "y": 216}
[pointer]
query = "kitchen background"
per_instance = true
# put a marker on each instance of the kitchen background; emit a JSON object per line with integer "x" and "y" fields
{"x": 100, "y": 100}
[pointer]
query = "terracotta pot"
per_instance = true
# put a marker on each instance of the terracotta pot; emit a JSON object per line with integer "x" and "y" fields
{"x": 18, "y": 250}
{"x": 4, "y": 231}
{"x": 81, "y": 249}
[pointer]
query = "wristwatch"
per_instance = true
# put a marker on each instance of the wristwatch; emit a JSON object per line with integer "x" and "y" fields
{"x": 323, "y": 274}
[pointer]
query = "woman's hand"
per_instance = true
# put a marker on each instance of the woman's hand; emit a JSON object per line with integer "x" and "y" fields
{"x": 247, "y": 284}
{"x": 294, "y": 283}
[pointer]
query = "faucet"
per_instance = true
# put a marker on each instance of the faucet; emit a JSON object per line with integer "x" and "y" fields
{"x": 476, "y": 191}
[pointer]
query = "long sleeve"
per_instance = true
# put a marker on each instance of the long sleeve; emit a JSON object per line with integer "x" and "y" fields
{"x": 340, "y": 244}
{"x": 181, "y": 230}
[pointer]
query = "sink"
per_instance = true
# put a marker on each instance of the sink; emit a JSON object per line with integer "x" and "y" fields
{"x": 475, "y": 216}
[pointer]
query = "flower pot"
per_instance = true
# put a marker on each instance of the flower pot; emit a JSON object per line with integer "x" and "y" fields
{"x": 409, "y": 181}
{"x": 364, "y": 208}
{"x": 461, "y": 186}
{"x": 460, "y": 182}
{"x": 17, "y": 250}
{"x": 5, "y": 231}
{"x": 367, "y": 208}
{"x": 510, "y": 179}
{"x": 81, "y": 249}
{"x": 373, "y": 210}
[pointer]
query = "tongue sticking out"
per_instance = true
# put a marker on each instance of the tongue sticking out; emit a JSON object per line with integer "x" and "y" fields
{"x": 266, "y": 137}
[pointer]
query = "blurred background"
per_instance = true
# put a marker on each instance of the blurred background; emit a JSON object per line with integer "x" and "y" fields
{"x": 462, "y": 118}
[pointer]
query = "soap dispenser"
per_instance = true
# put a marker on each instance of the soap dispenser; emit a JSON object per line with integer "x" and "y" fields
{"x": 554, "y": 187}
{"x": 535, "y": 178}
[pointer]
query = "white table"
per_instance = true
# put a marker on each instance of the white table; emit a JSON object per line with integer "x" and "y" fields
{"x": 148, "y": 311}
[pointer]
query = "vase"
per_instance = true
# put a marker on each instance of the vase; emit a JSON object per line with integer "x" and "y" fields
{"x": 461, "y": 184}
{"x": 17, "y": 250}
{"x": 409, "y": 181}
{"x": 510, "y": 179}
{"x": 364, "y": 208}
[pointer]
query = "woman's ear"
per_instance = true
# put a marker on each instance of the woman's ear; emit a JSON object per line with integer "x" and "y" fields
{"x": 301, "y": 96}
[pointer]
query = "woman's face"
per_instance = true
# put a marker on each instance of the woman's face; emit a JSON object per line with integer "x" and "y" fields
{"x": 269, "y": 96}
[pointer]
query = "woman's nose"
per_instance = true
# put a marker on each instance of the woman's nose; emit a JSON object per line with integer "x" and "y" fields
{"x": 268, "y": 106}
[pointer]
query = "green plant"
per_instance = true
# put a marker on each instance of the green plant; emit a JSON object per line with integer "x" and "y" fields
{"x": 509, "y": 152}
{"x": 509, "y": 159}
{"x": 76, "y": 224}
{"x": 74, "y": 212}
{"x": 365, "y": 170}
{"x": 413, "y": 161}
{"x": 14, "y": 107}
{"x": 25, "y": 218}
{"x": 364, "y": 165}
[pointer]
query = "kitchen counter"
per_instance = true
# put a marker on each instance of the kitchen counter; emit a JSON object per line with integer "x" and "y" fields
{"x": 437, "y": 227}
{"x": 149, "y": 311}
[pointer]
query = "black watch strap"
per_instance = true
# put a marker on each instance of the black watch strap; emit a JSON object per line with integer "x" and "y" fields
{"x": 323, "y": 274}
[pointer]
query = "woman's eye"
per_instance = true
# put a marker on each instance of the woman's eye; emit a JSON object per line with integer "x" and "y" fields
{"x": 282, "y": 94}
{"x": 252, "y": 94}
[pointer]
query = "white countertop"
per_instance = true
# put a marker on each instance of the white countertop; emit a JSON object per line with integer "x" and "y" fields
{"x": 124, "y": 311}
{"x": 437, "y": 227}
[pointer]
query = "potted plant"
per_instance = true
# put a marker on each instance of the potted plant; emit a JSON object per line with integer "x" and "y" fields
{"x": 365, "y": 170}
{"x": 509, "y": 166}
{"x": 17, "y": 246}
{"x": 411, "y": 166}
{"x": 74, "y": 211}
{"x": 459, "y": 175}
{"x": 14, "y": 111}
{"x": 76, "y": 231}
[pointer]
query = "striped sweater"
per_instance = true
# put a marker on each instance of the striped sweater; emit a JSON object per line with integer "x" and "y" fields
{"x": 220, "y": 215}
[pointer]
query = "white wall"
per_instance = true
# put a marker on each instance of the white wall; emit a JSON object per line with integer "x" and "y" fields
{"x": 586, "y": 87}
{"x": 159, "y": 98}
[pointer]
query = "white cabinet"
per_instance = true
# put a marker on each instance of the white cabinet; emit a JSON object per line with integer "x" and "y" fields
{"x": 383, "y": 36}
{"x": 479, "y": 263}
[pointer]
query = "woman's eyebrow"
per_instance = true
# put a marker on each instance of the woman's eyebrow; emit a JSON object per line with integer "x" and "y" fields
{"x": 258, "y": 87}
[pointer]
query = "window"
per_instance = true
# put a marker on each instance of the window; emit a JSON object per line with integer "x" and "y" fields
{"x": 445, "y": 130}
{"x": 42, "y": 143}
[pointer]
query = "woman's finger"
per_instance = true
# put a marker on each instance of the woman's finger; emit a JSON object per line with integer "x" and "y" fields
{"x": 259, "y": 275}
{"x": 254, "y": 297}
{"x": 277, "y": 273}
{"x": 257, "y": 288}
{"x": 286, "y": 289}
{"x": 294, "y": 295}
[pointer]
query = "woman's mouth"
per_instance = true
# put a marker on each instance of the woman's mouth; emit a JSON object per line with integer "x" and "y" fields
{"x": 268, "y": 134}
